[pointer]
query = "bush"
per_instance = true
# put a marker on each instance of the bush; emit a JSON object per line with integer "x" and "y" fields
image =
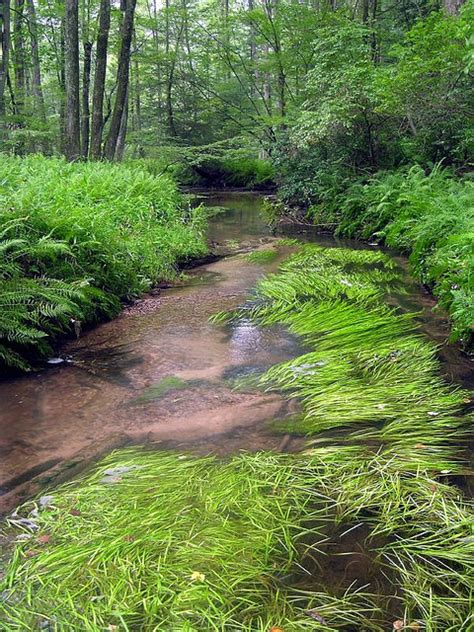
{"x": 75, "y": 240}
{"x": 246, "y": 173}
{"x": 429, "y": 216}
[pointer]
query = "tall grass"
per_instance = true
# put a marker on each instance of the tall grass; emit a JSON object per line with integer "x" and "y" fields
{"x": 431, "y": 217}
{"x": 94, "y": 234}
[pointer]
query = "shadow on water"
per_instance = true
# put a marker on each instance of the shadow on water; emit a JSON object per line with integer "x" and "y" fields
{"x": 161, "y": 374}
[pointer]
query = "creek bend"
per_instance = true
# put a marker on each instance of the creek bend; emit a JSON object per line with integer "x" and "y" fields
{"x": 106, "y": 396}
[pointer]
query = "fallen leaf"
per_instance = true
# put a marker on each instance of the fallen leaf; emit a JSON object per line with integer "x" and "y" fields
{"x": 275, "y": 629}
{"x": 197, "y": 576}
{"x": 75, "y": 512}
{"x": 316, "y": 616}
{"x": 44, "y": 539}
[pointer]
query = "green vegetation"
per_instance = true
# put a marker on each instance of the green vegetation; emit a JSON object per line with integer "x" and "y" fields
{"x": 362, "y": 530}
{"x": 361, "y": 371}
{"x": 265, "y": 255}
{"x": 430, "y": 217}
{"x": 76, "y": 239}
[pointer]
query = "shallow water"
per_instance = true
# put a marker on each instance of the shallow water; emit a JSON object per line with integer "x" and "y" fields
{"x": 162, "y": 375}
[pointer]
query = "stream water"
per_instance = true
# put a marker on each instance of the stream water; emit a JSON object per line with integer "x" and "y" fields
{"x": 161, "y": 374}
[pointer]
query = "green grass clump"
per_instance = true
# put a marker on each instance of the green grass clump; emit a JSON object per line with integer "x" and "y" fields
{"x": 369, "y": 365}
{"x": 266, "y": 255}
{"x": 76, "y": 239}
{"x": 175, "y": 543}
{"x": 429, "y": 216}
{"x": 163, "y": 541}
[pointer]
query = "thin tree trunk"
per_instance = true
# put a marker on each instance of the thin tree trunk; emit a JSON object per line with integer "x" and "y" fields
{"x": 62, "y": 85}
{"x": 4, "y": 51}
{"x": 119, "y": 151}
{"x": 86, "y": 115}
{"x": 99, "y": 80}
{"x": 452, "y": 7}
{"x": 169, "y": 74}
{"x": 19, "y": 55}
{"x": 252, "y": 51}
{"x": 36, "y": 85}
{"x": 123, "y": 73}
{"x": 73, "y": 135}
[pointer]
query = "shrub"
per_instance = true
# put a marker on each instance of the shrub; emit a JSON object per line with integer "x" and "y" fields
{"x": 76, "y": 239}
{"x": 432, "y": 218}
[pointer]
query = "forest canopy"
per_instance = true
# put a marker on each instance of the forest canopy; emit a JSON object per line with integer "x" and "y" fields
{"x": 357, "y": 84}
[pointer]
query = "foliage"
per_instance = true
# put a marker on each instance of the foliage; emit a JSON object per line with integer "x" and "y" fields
{"x": 431, "y": 217}
{"x": 76, "y": 239}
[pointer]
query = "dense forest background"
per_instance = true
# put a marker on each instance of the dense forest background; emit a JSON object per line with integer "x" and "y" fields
{"x": 354, "y": 84}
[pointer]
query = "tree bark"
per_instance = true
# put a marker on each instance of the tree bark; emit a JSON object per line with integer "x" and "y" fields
{"x": 72, "y": 148}
{"x": 99, "y": 80}
{"x": 19, "y": 55}
{"x": 123, "y": 73}
{"x": 452, "y": 7}
{"x": 4, "y": 51}
{"x": 36, "y": 85}
{"x": 86, "y": 115}
{"x": 119, "y": 151}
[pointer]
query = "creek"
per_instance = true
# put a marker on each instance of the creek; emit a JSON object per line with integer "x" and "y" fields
{"x": 162, "y": 375}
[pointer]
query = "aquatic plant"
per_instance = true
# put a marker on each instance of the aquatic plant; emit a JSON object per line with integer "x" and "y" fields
{"x": 162, "y": 541}
{"x": 266, "y": 255}
{"x": 154, "y": 540}
{"x": 384, "y": 427}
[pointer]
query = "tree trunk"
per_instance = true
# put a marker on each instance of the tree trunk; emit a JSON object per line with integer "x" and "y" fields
{"x": 99, "y": 80}
{"x": 123, "y": 73}
{"x": 86, "y": 115}
{"x": 19, "y": 55}
{"x": 452, "y": 7}
{"x": 4, "y": 51}
{"x": 119, "y": 151}
{"x": 36, "y": 86}
{"x": 72, "y": 148}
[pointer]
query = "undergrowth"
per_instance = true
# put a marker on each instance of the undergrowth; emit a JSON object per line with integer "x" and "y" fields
{"x": 76, "y": 240}
{"x": 431, "y": 217}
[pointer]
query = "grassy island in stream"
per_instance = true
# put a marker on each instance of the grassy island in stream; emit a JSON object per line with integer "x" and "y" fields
{"x": 363, "y": 530}
{"x": 76, "y": 240}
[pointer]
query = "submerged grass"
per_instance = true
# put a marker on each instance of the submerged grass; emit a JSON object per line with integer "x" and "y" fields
{"x": 169, "y": 543}
{"x": 160, "y": 541}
